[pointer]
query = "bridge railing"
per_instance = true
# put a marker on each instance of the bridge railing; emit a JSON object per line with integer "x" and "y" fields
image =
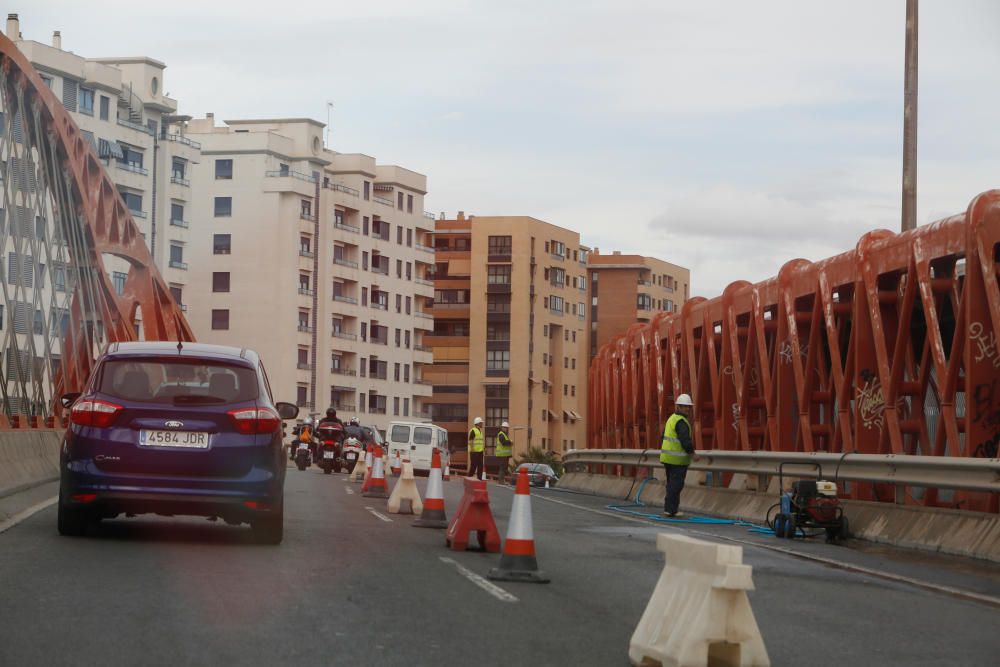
{"x": 898, "y": 470}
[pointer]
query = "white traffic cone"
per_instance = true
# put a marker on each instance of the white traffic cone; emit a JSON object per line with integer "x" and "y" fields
{"x": 517, "y": 562}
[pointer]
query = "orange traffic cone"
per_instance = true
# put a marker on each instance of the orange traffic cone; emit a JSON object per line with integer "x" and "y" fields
{"x": 517, "y": 562}
{"x": 433, "y": 515}
{"x": 447, "y": 472}
{"x": 394, "y": 463}
{"x": 375, "y": 486}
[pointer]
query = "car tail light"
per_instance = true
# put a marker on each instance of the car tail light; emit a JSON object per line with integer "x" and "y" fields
{"x": 92, "y": 412}
{"x": 84, "y": 497}
{"x": 252, "y": 421}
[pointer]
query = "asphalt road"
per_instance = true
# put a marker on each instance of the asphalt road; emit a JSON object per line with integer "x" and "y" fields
{"x": 347, "y": 587}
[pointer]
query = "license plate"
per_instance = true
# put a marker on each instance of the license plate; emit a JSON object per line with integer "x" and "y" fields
{"x": 329, "y": 455}
{"x": 352, "y": 455}
{"x": 183, "y": 439}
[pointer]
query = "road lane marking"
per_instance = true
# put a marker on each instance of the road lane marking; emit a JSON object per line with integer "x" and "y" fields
{"x": 349, "y": 491}
{"x": 857, "y": 569}
{"x": 25, "y": 514}
{"x": 488, "y": 586}
{"x": 381, "y": 516}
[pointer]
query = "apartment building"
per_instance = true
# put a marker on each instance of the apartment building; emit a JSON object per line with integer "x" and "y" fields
{"x": 318, "y": 260}
{"x": 625, "y": 289}
{"x": 510, "y": 330}
{"x": 122, "y": 109}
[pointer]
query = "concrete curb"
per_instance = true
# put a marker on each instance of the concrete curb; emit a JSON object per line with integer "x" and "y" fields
{"x": 972, "y": 534}
{"x": 28, "y": 458}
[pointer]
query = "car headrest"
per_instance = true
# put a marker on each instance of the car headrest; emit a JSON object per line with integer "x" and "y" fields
{"x": 223, "y": 385}
{"x": 135, "y": 384}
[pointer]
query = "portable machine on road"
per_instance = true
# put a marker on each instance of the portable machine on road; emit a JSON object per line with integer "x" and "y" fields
{"x": 812, "y": 504}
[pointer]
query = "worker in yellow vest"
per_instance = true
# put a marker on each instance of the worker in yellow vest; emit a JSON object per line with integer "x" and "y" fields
{"x": 503, "y": 451}
{"x": 477, "y": 448}
{"x": 676, "y": 452}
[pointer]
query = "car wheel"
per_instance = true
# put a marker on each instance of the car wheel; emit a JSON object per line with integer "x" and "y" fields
{"x": 270, "y": 529}
{"x": 72, "y": 521}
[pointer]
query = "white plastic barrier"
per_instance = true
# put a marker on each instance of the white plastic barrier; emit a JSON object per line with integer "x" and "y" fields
{"x": 699, "y": 614}
{"x": 405, "y": 489}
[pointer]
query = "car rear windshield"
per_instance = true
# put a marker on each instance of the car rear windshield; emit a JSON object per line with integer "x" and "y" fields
{"x": 421, "y": 435}
{"x": 177, "y": 381}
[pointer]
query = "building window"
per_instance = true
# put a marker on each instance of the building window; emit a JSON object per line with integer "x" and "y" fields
{"x": 87, "y": 101}
{"x": 222, "y": 244}
{"x": 409, "y": 238}
{"x": 368, "y": 192}
{"x": 133, "y": 201}
{"x": 497, "y": 360}
{"x": 406, "y": 407}
{"x": 302, "y": 395}
{"x": 498, "y": 275}
{"x": 556, "y": 304}
{"x": 177, "y": 256}
{"x": 223, "y": 207}
{"x": 220, "y": 281}
{"x": 220, "y": 320}
{"x": 223, "y": 170}
{"x": 409, "y": 303}
{"x": 364, "y": 224}
{"x": 396, "y": 368}
{"x": 406, "y": 372}
{"x": 497, "y": 331}
{"x": 118, "y": 279}
{"x": 395, "y": 405}
{"x": 409, "y": 203}
{"x": 176, "y": 213}
{"x": 500, "y": 245}
{"x": 105, "y": 107}
{"x": 399, "y": 234}
{"x": 178, "y": 294}
{"x": 399, "y": 200}
{"x": 406, "y": 339}
{"x": 498, "y": 303}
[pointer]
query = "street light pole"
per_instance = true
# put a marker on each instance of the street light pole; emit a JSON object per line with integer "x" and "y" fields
{"x": 909, "y": 215}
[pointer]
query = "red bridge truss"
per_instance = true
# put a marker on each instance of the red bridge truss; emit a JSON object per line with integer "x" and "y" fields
{"x": 890, "y": 348}
{"x": 62, "y": 211}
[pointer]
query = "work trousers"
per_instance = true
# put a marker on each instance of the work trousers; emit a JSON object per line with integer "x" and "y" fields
{"x": 675, "y": 484}
{"x": 502, "y": 462}
{"x": 476, "y": 464}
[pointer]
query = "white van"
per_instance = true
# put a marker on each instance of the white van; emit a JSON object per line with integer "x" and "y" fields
{"x": 414, "y": 440}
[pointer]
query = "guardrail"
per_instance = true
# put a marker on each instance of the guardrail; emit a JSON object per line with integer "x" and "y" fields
{"x": 940, "y": 472}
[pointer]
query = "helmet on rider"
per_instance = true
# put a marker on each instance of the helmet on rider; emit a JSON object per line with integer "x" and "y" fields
{"x": 308, "y": 421}
{"x": 354, "y": 421}
{"x": 331, "y": 413}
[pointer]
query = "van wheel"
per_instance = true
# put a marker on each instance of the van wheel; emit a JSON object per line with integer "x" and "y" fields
{"x": 71, "y": 521}
{"x": 270, "y": 529}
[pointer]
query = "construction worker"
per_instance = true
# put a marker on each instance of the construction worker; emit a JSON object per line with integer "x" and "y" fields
{"x": 503, "y": 450}
{"x": 477, "y": 447}
{"x": 676, "y": 452}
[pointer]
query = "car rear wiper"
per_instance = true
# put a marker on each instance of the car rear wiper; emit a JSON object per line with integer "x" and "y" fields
{"x": 193, "y": 399}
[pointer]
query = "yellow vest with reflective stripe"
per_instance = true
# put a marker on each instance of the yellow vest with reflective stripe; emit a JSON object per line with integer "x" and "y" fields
{"x": 478, "y": 441}
{"x": 503, "y": 445}
{"x": 671, "y": 451}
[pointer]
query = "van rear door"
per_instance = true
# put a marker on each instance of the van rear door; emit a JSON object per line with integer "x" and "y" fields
{"x": 423, "y": 442}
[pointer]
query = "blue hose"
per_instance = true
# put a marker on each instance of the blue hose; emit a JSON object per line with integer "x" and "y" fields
{"x": 632, "y": 511}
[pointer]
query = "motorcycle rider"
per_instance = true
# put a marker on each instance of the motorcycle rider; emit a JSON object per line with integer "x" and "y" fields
{"x": 306, "y": 436}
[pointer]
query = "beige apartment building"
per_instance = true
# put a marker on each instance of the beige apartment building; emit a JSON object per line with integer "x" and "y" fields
{"x": 625, "y": 289}
{"x": 120, "y": 106}
{"x": 510, "y": 331}
{"x": 319, "y": 261}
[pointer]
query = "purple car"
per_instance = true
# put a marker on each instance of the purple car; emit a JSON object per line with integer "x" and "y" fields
{"x": 175, "y": 430}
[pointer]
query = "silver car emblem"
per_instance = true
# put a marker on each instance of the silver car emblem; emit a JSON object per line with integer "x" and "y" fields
{"x": 173, "y": 424}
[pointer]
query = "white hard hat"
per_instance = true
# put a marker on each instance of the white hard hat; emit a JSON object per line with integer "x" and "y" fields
{"x": 477, "y": 420}
{"x": 683, "y": 399}
{"x": 505, "y": 425}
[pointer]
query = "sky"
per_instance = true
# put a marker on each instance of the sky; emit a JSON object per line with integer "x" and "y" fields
{"x": 725, "y": 136}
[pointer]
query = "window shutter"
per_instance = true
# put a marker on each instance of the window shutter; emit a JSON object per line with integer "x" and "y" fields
{"x": 69, "y": 94}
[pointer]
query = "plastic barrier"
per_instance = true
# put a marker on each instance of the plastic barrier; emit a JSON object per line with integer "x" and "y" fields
{"x": 360, "y": 469}
{"x": 405, "y": 490}
{"x": 699, "y": 613}
{"x": 474, "y": 515}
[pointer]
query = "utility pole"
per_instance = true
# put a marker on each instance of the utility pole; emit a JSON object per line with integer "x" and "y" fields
{"x": 909, "y": 217}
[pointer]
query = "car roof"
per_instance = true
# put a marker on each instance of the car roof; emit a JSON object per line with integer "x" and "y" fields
{"x": 186, "y": 350}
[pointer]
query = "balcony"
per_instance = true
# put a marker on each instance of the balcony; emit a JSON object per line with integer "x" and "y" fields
{"x": 177, "y": 180}
{"x": 340, "y": 387}
{"x": 380, "y": 341}
{"x": 345, "y": 262}
{"x": 557, "y": 256}
{"x": 309, "y": 217}
{"x": 384, "y": 202}
{"x": 422, "y": 281}
{"x": 426, "y": 316}
{"x": 343, "y": 298}
{"x": 345, "y": 335}
{"x": 376, "y": 411}
{"x": 498, "y": 288}
{"x": 341, "y": 188}
{"x": 345, "y": 407}
{"x": 135, "y": 126}
{"x": 305, "y": 328}
{"x": 182, "y": 140}
{"x": 380, "y": 306}
{"x": 174, "y": 264}
{"x": 303, "y": 367}
{"x": 343, "y": 371}
{"x": 500, "y": 257}
{"x": 429, "y": 215}
{"x": 138, "y": 214}
{"x": 134, "y": 168}
{"x": 424, "y": 248}
{"x": 183, "y": 224}
{"x": 287, "y": 173}
{"x": 424, "y": 382}
{"x": 347, "y": 228}
{"x": 422, "y": 348}
{"x": 308, "y": 254}
{"x": 645, "y": 282}
{"x": 305, "y": 291}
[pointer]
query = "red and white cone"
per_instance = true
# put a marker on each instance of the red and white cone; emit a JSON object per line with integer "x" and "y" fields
{"x": 433, "y": 516}
{"x": 375, "y": 486}
{"x": 394, "y": 463}
{"x": 517, "y": 562}
{"x": 447, "y": 472}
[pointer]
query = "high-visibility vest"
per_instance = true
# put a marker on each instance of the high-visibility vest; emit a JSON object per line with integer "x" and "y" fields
{"x": 671, "y": 451}
{"x": 503, "y": 445}
{"x": 478, "y": 441}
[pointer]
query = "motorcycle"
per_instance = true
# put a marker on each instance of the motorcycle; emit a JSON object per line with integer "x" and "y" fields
{"x": 302, "y": 455}
{"x": 352, "y": 452}
{"x": 328, "y": 453}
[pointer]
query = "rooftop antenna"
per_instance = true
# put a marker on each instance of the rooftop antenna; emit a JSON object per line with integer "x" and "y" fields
{"x": 329, "y": 108}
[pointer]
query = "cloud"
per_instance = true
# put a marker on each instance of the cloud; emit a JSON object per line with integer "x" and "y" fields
{"x": 453, "y": 115}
